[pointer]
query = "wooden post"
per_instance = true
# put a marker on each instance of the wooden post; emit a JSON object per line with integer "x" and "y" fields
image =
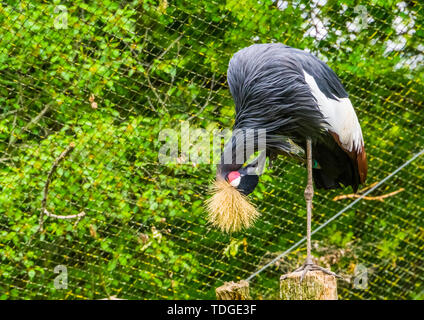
{"x": 233, "y": 291}
{"x": 316, "y": 285}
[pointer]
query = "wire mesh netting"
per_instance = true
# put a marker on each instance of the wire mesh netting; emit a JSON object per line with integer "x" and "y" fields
{"x": 102, "y": 80}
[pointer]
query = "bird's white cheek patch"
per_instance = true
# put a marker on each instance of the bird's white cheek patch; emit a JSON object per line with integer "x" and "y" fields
{"x": 340, "y": 116}
{"x": 235, "y": 182}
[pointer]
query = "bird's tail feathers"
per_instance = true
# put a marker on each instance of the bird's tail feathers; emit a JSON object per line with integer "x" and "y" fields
{"x": 337, "y": 169}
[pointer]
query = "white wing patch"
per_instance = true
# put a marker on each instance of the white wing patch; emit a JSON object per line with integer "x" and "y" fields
{"x": 340, "y": 116}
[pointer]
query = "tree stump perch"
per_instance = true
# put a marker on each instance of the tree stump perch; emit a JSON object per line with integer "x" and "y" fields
{"x": 233, "y": 291}
{"x": 316, "y": 285}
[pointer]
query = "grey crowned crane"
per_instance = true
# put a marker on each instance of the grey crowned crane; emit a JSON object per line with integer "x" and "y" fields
{"x": 297, "y": 100}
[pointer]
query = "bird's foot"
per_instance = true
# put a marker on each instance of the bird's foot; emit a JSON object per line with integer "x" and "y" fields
{"x": 306, "y": 267}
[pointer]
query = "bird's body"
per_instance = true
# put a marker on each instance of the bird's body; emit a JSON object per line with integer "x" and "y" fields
{"x": 292, "y": 94}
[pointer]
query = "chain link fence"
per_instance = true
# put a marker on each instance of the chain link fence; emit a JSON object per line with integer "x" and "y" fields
{"x": 87, "y": 88}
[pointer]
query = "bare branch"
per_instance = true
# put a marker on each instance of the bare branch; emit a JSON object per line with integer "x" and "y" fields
{"x": 154, "y": 91}
{"x": 5, "y": 160}
{"x": 151, "y": 104}
{"x": 12, "y": 136}
{"x": 147, "y": 73}
{"x": 171, "y": 84}
{"x": 33, "y": 121}
{"x": 367, "y": 187}
{"x": 44, "y": 210}
{"x": 167, "y": 49}
{"x": 72, "y": 216}
{"x": 208, "y": 99}
{"x": 358, "y": 195}
{"x": 5, "y": 114}
{"x": 37, "y": 118}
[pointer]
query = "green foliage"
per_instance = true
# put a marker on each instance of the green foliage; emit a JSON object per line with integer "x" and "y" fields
{"x": 119, "y": 73}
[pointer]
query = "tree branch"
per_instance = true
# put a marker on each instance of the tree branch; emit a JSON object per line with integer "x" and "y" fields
{"x": 44, "y": 210}
{"x": 33, "y": 121}
{"x": 37, "y": 118}
{"x": 3, "y": 115}
{"x": 208, "y": 99}
{"x": 72, "y": 216}
{"x": 358, "y": 195}
{"x": 147, "y": 73}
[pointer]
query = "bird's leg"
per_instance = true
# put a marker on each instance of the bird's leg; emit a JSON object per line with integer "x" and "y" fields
{"x": 309, "y": 194}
